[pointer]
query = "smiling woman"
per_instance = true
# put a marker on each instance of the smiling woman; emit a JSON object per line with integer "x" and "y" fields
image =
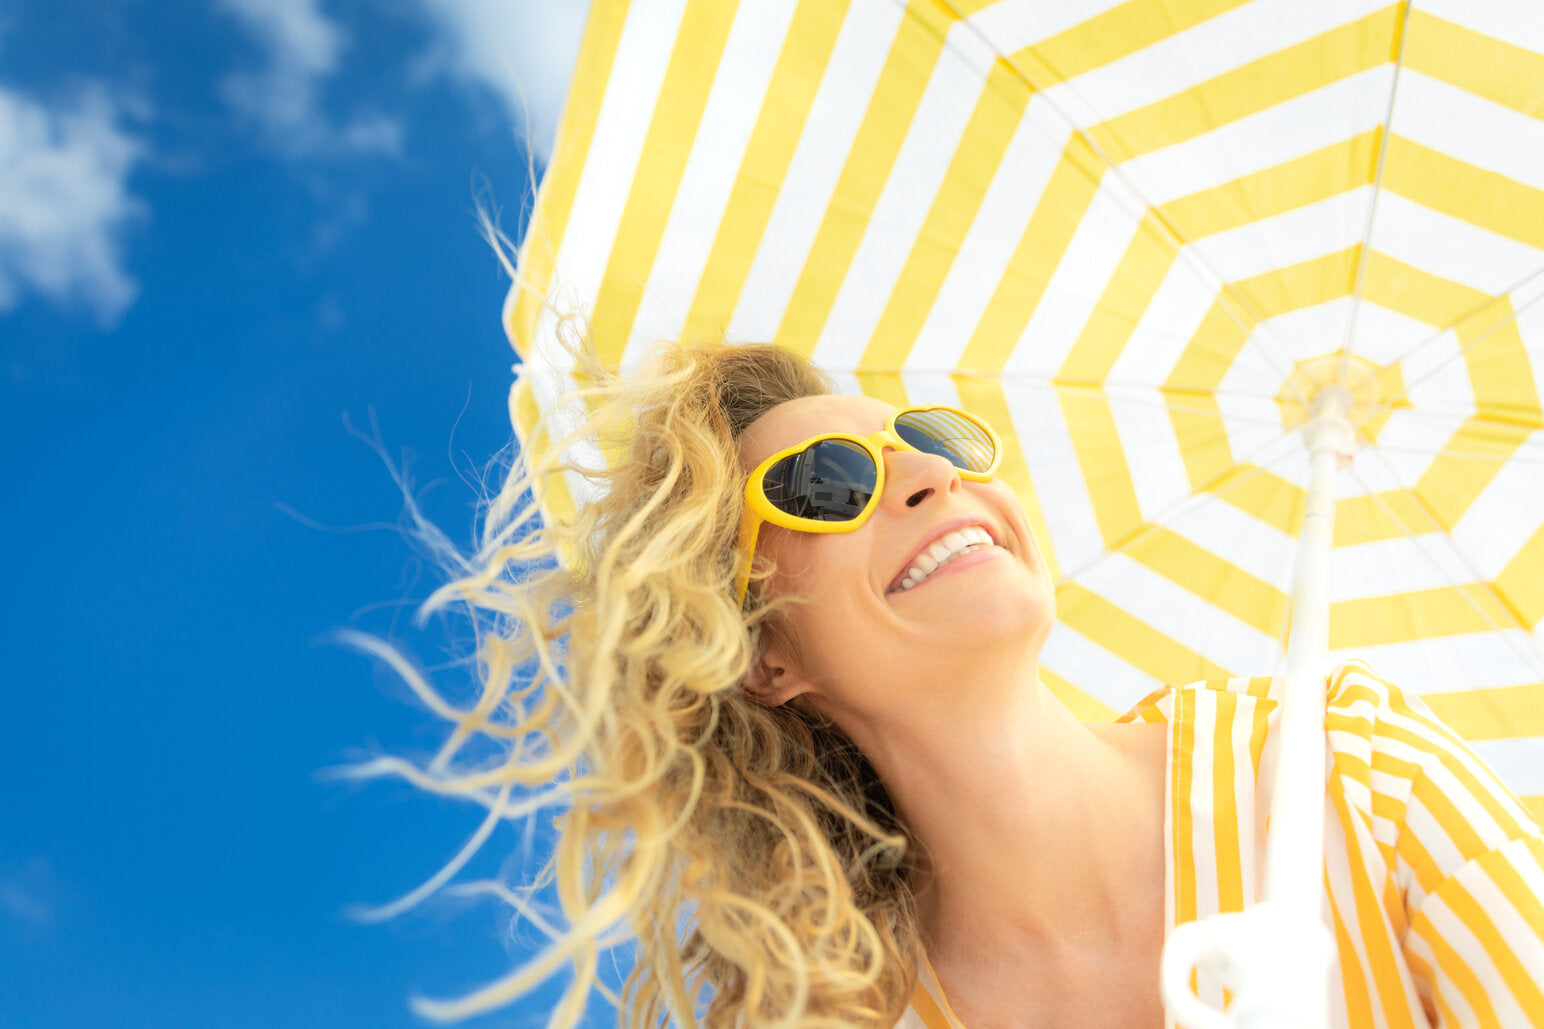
{"x": 783, "y": 680}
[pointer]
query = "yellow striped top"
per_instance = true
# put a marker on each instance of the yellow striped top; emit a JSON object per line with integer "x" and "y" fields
{"x": 1433, "y": 872}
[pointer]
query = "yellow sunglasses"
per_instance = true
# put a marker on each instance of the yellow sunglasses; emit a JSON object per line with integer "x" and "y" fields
{"x": 833, "y": 482}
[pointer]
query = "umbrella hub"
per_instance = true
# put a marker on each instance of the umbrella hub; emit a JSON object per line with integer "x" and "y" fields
{"x": 1329, "y": 396}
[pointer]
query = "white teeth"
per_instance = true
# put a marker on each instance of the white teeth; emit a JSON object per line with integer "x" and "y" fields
{"x": 942, "y": 552}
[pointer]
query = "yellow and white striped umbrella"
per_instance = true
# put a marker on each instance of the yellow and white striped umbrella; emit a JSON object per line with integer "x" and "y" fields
{"x": 1136, "y": 237}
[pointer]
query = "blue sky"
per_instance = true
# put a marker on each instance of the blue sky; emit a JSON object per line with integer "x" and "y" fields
{"x": 225, "y": 228}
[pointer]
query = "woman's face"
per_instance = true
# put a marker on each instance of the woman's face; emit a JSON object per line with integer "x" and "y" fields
{"x": 860, "y": 645}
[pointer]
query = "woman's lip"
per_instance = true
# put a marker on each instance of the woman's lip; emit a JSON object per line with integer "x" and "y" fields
{"x": 967, "y": 560}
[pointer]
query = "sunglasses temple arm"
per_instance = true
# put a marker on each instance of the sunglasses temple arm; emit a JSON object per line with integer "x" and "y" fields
{"x": 745, "y": 555}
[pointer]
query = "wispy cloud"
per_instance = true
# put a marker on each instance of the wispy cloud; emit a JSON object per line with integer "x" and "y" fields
{"x": 65, "y": 202}
{"x": 29, "y": 894}
{"x": 523, "y": 51}
{"x": 301, "y": 50}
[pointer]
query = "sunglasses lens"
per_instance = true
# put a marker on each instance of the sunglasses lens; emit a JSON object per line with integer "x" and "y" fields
{"x": 828, "y": 481}
{"x": 949, "y": 435}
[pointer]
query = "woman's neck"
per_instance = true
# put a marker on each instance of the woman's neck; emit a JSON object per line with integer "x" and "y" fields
{"x": 1037, "y": 833}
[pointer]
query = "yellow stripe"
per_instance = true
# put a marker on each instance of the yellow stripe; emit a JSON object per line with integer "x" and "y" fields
{"x": 1492, "y": 68}
{"x": 1447, "y": 183}
{"x": 1353, "y": 975}
{"x": 683, "y": 94}
{"x": 1182, "y": 826}
{"x": 1410, "y": 290}
{"x": 791, "y": 91}
{"x": 1062, "y": 204}
{"x": 1329, "y": 171}
{"x": 1451, "y": 483}
{"x": 927, "y": 1009}
{"x": 1502, "y": 957}
{"x": 1102, "y": 462}
{"x": 1521, "y": 582}
{"x": 1219, "y": 582}
{"x": 1493, "y": 713}
{"x": 1279, "y": 76}
{"x": 1374, "y": 517}
{"x": 1264, "y": 495}
{"x": 1499, "y": 367}
{"x": 1147, "y": 260}
{"x": 1535, "y": 806}
{"x": 984, "y": 397}
{"x": 886, "y": 386}
{"x": 1225, "y": 848}
{"x": 869, "y": 163}
{"x": 1415, "y": 615}
{"x": 1110, "y": 35}
{"x": 954, "y": 209}
{"x": 1116, "y": 630}
{"x": 554, "y": 201}
{"x": 1300, "y": 285}
{"x": 1083, "y": 707}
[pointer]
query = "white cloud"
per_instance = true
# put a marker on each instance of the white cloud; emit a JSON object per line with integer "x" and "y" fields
{"x": 302, "y": 49}
{"x": 523, "y": 51}
{"x": 65, "y": 202}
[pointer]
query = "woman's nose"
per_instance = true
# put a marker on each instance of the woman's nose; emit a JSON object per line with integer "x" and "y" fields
{"x": 911, "y": 477}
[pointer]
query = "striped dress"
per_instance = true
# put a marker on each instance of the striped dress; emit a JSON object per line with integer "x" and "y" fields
{"x": 1434, "y": 873}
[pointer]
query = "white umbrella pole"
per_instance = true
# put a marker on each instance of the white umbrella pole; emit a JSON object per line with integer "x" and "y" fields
{"x": 1275, "y": 956}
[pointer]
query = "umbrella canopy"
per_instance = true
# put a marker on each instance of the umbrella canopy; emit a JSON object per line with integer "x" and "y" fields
{"x": 1137, "y": 238}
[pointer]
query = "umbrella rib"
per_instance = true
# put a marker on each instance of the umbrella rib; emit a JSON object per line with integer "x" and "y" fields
{"x": 1372, "y": 207}
{"x": 1198, "y": 496}
{"x": 1533, "y": 655}
{"x": 1404, "y": 392}
{"x": 1244, "y": 317}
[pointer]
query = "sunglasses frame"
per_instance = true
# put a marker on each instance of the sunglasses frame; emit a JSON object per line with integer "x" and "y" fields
{"x": 759, "y": 510}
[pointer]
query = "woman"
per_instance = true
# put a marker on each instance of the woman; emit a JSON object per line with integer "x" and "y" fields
{"x": 812, "y": 769}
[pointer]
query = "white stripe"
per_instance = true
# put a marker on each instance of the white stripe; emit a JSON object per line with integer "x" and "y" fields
{"x": 931, "y": 388}
{"x": 1384, "y": 567}
{"x": 1446, "y": 924}
{"x": 632, "y": 90}
{"x": 1179, "y": 305}
{"x": 1511, "y": 21}
{"x": 1515, "y": 762}
{"x": 1200, "y": 53}
{"x": 1449, "y": 247}
{"x": 1105, "y": 676}
{"x": 978, "y": 269}
{"x": 1314, "y": 230}
{"x": 1246, "y": 420}
{"x": 1053, "y": 467}
{"x": 1316, "y": 119}
{"x": 1012, "y": 25}
{"x": 1244, "y": 541}
{"x": 1470, "y": 807}
{"x": 1437, "y": 377}
{"x": 1152, "y": 452}
{"x": 862, "y": 45}
{"x": 739, "y": 87}
{"x": 955, "y": 85}
{"x": 1441, "y": 664}
{"x": 1469, "y": 128}
{"x": 1183, "y": 616}
{"x": 1073, "y": 292}
{"x": 1506, "y": 513}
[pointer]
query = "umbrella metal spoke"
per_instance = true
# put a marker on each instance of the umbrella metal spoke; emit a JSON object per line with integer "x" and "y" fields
{"x": 1533, "y": 656}
{"x": 1404, "y": 391}
{"x": 1238, "y": 310}
{"x": 1372, "y": 207}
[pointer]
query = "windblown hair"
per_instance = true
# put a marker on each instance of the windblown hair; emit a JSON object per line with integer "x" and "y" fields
{"x": 750, "y": 850}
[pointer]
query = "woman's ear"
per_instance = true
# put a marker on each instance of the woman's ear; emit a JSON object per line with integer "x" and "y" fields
{"x": 775, "y": 677}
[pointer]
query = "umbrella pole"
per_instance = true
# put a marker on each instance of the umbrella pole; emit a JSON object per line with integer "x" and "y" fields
{"x": 1275, "y": 956}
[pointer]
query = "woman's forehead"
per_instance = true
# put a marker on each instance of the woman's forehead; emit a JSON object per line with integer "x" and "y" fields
{"x": 794, "y": 421}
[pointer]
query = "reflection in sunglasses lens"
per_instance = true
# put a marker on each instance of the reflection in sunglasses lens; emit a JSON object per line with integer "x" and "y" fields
{"x": 829, "y": 481}
{"x": 959, "y": 440}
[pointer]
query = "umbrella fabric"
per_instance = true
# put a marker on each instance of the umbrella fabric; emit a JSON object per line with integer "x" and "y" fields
{"x": 1135, "y": 237}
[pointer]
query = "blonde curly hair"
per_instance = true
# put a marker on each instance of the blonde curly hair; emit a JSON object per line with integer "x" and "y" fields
{"x": 750, "y": 850}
